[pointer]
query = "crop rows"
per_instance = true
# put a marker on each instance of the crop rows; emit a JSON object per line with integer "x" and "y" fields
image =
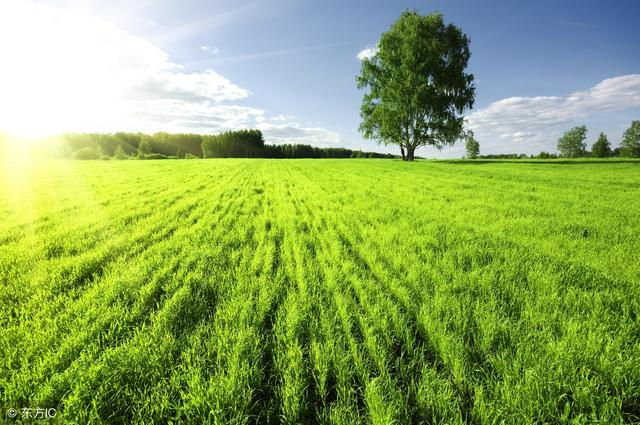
{"x": 321, "y": 291}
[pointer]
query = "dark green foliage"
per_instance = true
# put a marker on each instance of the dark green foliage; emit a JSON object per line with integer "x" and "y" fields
{"x": 234, "y": 144}
{"x": 177, "y": 145}
{"x": 298, "y": 151}
{"x": 129, "y": 142}
{"x": 144, "y": 148}
{"x": 308, "y": 151}
{"x": 601, "y": 148}
{"x": 359, "y": 154}
{"x": 417, "y": 84}
{"x": 546, "y": 155}
{"x": 504, "y": 156}
{"x": 571, "y": 144}
{"x": 630, "y": 146}
{"x": 250, "y": 144}
{"x": 86, "y": 153}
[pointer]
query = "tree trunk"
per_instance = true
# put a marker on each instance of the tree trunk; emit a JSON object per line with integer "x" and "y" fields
{"x": 402, "y": 151}
{"x": 410, "y": 152}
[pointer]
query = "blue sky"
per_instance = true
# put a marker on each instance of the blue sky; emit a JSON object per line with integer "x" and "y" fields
{"x": 288, "y": 67}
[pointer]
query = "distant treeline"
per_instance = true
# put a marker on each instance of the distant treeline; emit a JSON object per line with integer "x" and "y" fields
{"x": 546, "y": 155}
{"x": 231, "y": 144}
{"x": 250, "y": 144}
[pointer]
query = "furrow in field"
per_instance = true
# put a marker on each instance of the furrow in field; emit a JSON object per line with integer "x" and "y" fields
{"x": 323, "y": 291}
{"x": 98, "y": 294}
{"x": 467, "y": 320}
{"x": 177, "y": 314}
{"x": 372, "y": 387}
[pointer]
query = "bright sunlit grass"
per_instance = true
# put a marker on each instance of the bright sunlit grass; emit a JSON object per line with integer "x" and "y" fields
{"x": 330, "y": 291}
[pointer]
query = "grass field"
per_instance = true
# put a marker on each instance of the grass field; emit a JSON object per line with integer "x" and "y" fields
{"x": 330, "y": 291}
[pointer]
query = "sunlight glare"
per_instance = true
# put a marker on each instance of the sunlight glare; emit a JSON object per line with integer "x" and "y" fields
{"x": 54, "y": 79}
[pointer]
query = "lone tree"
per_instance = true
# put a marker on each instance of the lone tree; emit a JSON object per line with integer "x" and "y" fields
{"x": 571, "y": 144}
{"x": 630, "y": 145}
{"x": 601, "y": 148}
{"x": 472, "y": 146}
{"x": 417, "y": 85}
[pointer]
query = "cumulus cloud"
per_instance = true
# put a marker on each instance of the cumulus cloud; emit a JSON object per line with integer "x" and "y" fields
{"x": 71, "y": 72}
{"x": 292, "y": 132}
{"x": 527, "y": 124}
{"x": 368, "y": 52}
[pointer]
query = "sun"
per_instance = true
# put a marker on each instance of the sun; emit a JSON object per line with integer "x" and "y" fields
{"x": 52, "y": 78}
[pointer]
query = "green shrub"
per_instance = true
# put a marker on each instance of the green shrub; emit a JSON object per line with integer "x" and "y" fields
{"x": 88, "y": 153}
{"x": 119, "y": 153}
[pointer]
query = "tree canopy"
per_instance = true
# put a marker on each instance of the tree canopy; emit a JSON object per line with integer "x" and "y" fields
{"x": 601, "y": 148}
{"x": 145, "y": 148}
{"x": 630, "y": 145}
{"x": 571, "y": 144}
{"x": 416, "y": 83}
{"x": 472, "y": 146}
{"x": 119, "y": 153}
{"x": 230, "y": 144}
{"x": 234, "y": 144}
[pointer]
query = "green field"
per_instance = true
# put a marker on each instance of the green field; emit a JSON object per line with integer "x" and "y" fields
{"x": 329, "y": 291}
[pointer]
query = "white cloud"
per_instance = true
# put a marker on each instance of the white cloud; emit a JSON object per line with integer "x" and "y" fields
{"x": 292, "y": 132}
{"x": 282, "y": 118}
{"x": 529, "y": 124}
{"x": 213, "y": 50}
{"x": 368, "y": 52}
{"x": 70, "y": 72}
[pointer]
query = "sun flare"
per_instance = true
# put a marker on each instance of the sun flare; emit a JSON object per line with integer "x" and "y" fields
{"x": 56, "y": 80}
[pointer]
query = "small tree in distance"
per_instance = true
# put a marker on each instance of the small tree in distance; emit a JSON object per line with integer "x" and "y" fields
{"x": 417, "y": 84}
{"x": 545, "y": 155}
{"x": 119, "y": 153}
{"x": 144, "y": 148}
{"x": 601, "y": 148}
{"x": 571, "y": 144}
{"x": 472, "y": 146}
{"x": 630, "y": 145}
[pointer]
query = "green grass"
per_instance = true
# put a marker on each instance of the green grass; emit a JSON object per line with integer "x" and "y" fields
{"x": 330, "y": 291}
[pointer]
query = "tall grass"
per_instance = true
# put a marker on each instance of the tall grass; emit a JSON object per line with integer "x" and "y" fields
{"x": 302, "y": 291}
